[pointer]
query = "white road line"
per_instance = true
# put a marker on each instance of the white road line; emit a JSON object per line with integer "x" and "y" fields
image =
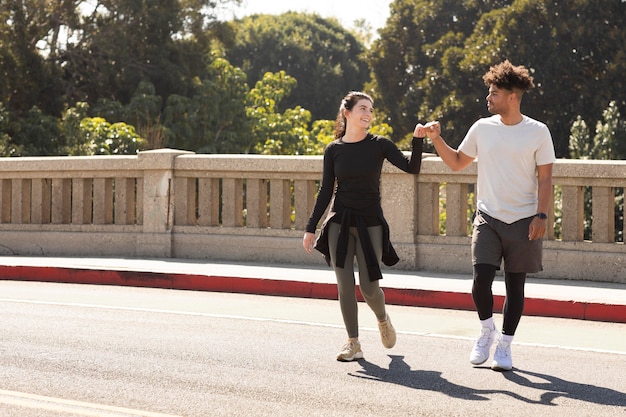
{"x": 306, "y": 323}
{"x": 40, "y": 402}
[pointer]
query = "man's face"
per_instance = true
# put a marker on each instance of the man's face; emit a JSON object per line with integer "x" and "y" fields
{"x": 498, "y": 100}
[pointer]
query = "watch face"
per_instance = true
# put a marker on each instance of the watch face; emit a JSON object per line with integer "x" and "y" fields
{"x": 542, "y": 216}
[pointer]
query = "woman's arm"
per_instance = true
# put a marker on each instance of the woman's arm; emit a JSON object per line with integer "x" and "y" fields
{"x": 411, "y": 164}
{"x": 324, "y": 196}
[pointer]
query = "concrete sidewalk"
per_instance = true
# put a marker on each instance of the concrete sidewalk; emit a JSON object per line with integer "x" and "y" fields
{"x": 549, "y": 298}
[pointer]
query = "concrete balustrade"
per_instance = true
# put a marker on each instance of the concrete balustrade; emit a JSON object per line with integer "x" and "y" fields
{"x": 174, "y": 204}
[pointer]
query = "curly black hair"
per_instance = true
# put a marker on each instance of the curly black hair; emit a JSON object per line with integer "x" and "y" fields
{"x": 509, "y": 77}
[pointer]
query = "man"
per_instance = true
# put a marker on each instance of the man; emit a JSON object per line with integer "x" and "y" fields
{"x": 515, "y": 155}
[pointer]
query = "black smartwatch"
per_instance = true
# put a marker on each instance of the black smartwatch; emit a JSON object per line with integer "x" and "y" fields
{"x": 542, "y": 216}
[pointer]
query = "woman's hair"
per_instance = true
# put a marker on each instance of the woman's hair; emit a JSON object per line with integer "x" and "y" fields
{"x": 348, "y": 103}
{"x": 508, "y": 76}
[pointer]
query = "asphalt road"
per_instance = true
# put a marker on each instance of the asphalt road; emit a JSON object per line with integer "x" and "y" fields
{"x": 81, "y": 350}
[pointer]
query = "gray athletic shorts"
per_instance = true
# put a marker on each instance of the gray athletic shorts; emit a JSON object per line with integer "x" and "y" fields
{"x": 494, "y": 241}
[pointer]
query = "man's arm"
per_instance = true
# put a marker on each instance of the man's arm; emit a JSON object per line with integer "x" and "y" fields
{"x": 544, "y": 196}
{"x": 453, "y": 158}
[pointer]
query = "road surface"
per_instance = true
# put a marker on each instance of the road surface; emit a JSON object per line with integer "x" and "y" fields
{"x": 83, "y": 350}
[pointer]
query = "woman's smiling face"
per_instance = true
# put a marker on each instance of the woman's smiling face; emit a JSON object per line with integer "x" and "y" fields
{"x": 361, "y": 113}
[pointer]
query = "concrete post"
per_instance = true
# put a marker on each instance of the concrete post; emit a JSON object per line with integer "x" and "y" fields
{"x": 158, "y": 196}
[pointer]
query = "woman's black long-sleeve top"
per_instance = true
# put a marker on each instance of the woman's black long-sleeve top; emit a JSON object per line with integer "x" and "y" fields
{"x": 356, "y": 167}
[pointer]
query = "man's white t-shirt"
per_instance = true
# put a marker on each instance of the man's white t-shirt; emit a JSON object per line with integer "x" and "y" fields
{"x": 508, "y": 157}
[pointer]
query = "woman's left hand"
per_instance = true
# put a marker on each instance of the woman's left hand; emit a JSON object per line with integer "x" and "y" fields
{"x": 420, "y": 131}
{"x": 307, "y": 241}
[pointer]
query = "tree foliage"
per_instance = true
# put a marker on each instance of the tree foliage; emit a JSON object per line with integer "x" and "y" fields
{"x": 608, "y": 142}
{"x": 415, "y": 63}
{"x": 272, "y": 84}
{"x": 27, "y": 78}
{"x": 431, "y": 57}
{"x": 213, "y": 119}
{"x": 104, "y": 138}
{"x": 324, "y": 58}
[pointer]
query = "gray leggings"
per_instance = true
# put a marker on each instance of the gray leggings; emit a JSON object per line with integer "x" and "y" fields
{"x": 372, "y": 294}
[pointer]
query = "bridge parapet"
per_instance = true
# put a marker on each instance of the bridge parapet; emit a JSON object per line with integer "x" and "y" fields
{"x": 169, "y": 203}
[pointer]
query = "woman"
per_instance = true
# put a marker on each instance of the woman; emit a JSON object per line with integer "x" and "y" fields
{"x": 355, "y": 225}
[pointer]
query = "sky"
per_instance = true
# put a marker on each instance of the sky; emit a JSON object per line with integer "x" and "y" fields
{"x": 375, "y": 12}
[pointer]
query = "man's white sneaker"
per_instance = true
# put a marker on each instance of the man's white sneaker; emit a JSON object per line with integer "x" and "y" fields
{"x": 482, "y": 347}
{"x": 502, "y": 360}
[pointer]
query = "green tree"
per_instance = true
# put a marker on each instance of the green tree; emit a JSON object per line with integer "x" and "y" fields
{"x": 120, "y": 43}
{"x": 144, "y": 112}
{"x": 415, "y": 76}
{"x": 27, "y": 78}
{"x": 104, "y": 138}
{"x": 52, "y": 56}
{"x": 322, "y": 133}
{"x": 6, "y": 147}
{"x": 123, "y": 42}
{"x": 325, "y": 58}
{"x": 608, "y": 142}
{"x": 575, "y": 51}
{"x": 71, "y": 129}
{"x": 431, "y": 57}
{"x": 580, "y": 144}
{"x": 213, "y": 119}
{"x": 38, "y": 134}
{"x": 288, "y": 133}
{"x": 611, "y": 134}
{"x": 275, "y": 133}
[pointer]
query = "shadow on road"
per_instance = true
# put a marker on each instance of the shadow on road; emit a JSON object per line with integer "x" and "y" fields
{"x": 555, "y": 387}
{"x": 400, "y": 373}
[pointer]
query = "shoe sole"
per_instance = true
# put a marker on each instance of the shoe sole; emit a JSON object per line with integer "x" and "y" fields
{"x": 500, "y": 368}
{"x": 358, "y": 355}
{"x": 478, "y": 363}
{"x": 474, "y": 362}
{"x": 487, "y": 358}
{"x": 389, "y": 345}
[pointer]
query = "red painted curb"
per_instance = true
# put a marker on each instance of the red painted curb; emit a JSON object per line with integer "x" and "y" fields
{"x": 262, "y": 286}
